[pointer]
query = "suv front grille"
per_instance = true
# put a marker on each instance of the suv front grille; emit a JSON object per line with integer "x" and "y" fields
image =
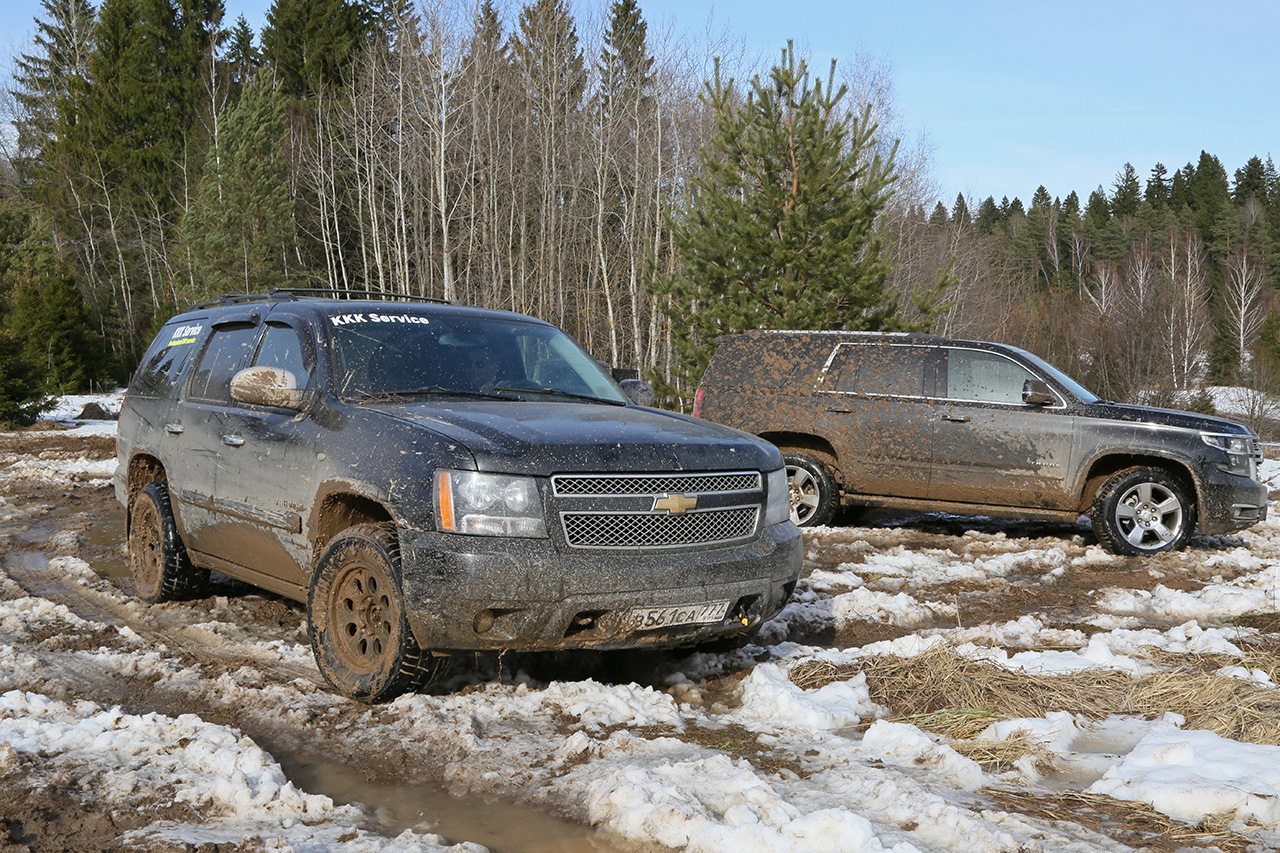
{"x": 586, "y": 530}
{"x": 654, "y": 484}
{"x": 657, "y": 510}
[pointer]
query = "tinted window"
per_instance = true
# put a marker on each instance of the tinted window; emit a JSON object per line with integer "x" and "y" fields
{"x": 892, "y": 370}
{"x": 164, "y": 360}
{"x": 227, "y": 352}
{"x": 984, "y": 376}
{"x": 281, "y": 347}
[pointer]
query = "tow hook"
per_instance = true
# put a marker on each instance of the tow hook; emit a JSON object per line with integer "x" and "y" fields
{"x": 740, "y": 615}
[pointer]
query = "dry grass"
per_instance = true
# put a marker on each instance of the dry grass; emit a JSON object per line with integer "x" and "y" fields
{"x": 1135, "y": 824}
{"x": 966, "y": 695}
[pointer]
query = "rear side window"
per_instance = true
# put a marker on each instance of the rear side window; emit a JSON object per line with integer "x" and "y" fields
{"x": 165, "y": 359}
{"x": 896, "y": 371}
{"x": 228, "y": 351}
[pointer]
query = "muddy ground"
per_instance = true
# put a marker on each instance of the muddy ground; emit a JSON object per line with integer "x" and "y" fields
{"x": 78, "y": 517}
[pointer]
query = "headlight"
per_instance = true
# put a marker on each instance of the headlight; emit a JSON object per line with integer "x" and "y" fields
{"x": 1239, "y": 451}
{"x": 488, "y": 504}
{"x": 778, "y": 508}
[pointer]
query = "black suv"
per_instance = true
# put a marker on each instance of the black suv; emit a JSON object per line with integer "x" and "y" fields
{"x": 431, "y": 478}
{"x": 928, "y": 423}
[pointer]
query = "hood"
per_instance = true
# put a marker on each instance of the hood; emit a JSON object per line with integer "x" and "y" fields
{"x": 543, "y": 438}
{"x": 1164, "y": 417}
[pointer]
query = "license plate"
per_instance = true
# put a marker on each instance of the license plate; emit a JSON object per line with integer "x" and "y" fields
{"x": 647, "y": 618}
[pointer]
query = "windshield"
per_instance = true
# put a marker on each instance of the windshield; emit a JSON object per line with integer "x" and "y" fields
{"x": 398, "y": 352}
{"x": 1083, "y": 394}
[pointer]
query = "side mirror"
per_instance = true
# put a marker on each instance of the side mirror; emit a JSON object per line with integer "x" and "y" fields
{"x": 268, "y": 386}
{"x": 1036, "y": 392}
{"x": 638, "y": 391}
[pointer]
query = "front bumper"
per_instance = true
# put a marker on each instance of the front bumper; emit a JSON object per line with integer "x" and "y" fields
{"x": 482, "y": 593}
{"x": 1229, "y": 503}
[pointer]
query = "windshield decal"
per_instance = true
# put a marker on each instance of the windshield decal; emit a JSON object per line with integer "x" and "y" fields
{"x": 347, "y": 319}
{"x": 185, "y": 335}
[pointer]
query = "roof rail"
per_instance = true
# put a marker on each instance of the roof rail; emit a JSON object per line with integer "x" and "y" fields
{"x": 292, "y": 294}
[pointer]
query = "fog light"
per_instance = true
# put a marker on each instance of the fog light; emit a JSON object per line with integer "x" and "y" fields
{"x": 483, "y": 621}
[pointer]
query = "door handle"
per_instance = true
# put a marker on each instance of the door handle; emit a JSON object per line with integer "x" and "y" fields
{"x": 838, "y": 410}
{"x": 173, "y": 429}
{"x": 956, "y": 419}
{"x": 232, "y": 440}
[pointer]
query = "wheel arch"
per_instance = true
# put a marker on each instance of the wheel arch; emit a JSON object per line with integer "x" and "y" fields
{"x": 144, "y": 469}
{"x": 340, "y": 507}
{"x": 807, "y": 443}
{"x": 1104, "y": 468}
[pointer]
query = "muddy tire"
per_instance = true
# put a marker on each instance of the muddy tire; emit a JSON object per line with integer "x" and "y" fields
{"x": 1143, "y": 511}
{"x": 158, "y": 560}
{"x": 814, "y": 495}
{"x": 356, "y": 617}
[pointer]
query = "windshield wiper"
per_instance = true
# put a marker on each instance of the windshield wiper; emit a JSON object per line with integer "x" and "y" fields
{"x": 531, "y": 389}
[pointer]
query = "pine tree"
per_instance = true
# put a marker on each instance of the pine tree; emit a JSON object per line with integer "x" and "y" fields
{"x": 310, "y": 44}
{"x": 780, "y": 231}
{"x": 989, "y": 217}
{"x": 43, "y": 78}
{"x": 960, "y": 211}
{"x": 243, "y": 57}
{"x": 238, "y": 229}
{"x": 1157, "y": 192}
{"x": 1127, "y": 197}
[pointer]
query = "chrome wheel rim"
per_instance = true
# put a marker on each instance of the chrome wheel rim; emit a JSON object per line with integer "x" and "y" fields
{"x": 803, "y": 487}
{"x": 1149, "y": 516}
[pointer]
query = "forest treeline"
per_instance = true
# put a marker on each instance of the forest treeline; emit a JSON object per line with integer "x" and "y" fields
{"x": 514, "y": 157}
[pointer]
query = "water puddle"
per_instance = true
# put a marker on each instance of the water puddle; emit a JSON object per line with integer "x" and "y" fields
{"x": 501, "y": 827}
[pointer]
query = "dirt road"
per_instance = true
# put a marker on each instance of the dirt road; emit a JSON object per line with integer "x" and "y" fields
{"x": 522, "y": 757}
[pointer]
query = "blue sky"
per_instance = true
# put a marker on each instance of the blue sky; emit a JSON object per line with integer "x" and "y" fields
{"x": 1009, "y": 95}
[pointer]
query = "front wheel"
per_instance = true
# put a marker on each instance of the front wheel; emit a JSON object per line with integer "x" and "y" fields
{"x": 1143, "y": 511}
{"x": 814, "y": 496}
{"x": 355, "y": 610}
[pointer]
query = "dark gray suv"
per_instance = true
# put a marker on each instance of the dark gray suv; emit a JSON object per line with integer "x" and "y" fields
{"x": 969, "y": 427}
{"x": 431, "y": 478}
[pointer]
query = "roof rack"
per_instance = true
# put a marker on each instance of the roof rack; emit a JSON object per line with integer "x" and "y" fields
{"x": 292, "y": 294}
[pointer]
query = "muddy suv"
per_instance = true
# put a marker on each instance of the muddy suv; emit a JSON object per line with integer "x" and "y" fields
{"x": 431, "y": 478}
{"x": 926, "y": 423}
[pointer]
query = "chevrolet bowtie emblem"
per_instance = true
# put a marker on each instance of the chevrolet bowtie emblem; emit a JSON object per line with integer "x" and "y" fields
{"x": 674, "y": 504}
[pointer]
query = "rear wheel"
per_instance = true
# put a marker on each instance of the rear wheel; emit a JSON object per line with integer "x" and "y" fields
{"x": 158, "y": 560}
{"x": 359, "y": 632}
{"x": 814, "y": 496}
{"x": 1143, "y": 511}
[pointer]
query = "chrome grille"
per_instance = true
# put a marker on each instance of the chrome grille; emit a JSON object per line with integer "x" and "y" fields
{"x": 658, "y": 510}
{"x": 653, "y": 530}
{"x": 575, "y": 485}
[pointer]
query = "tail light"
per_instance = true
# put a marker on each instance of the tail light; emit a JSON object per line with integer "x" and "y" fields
{"x": 697, "y": 403}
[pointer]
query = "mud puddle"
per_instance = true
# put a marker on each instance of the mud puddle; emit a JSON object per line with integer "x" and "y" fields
{"x": 501, "y": 827}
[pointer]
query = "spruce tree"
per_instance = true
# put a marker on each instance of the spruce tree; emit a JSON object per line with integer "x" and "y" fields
{"x": 238, "y": 229}
{"x": 43, "y": 78}
{"x": 310, "y": 44}
{"x": 780, "y": 231}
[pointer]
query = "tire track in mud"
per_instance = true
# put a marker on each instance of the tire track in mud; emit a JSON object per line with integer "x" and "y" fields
{"x": 97, "y": 600}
